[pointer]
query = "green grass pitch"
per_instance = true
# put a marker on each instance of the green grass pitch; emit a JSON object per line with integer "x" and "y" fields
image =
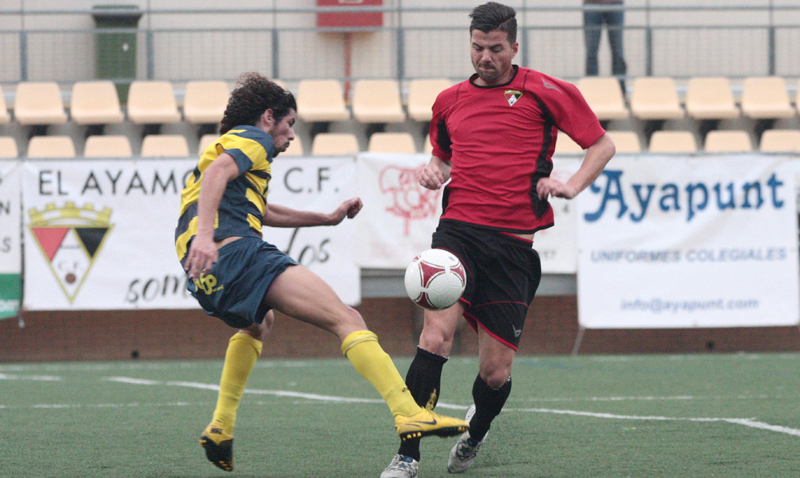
{"x": 591, "y": 416}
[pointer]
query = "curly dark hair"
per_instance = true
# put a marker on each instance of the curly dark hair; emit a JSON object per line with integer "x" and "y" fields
{"x": 494, "y": 16}
{"x": 254, "y": 94}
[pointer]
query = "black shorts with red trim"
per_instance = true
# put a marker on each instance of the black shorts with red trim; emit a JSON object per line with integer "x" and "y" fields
{"x": 503, "y": 273}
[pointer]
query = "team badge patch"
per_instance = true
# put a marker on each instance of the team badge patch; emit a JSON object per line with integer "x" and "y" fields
{"x": 512, "y": 96}
{"x": 70, "y": 239}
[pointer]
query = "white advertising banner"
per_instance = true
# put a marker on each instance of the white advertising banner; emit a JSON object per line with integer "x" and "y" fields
{"x": 399, "y": 214}
{"x": 558, "y": 245}
{"x": 10, "y": 250}
{"x": 100, "y": 234}
{"x": 670, "y": 242}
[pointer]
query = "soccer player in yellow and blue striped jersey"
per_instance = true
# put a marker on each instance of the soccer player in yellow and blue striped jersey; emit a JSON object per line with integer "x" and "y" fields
{"x": 238, "y": 277}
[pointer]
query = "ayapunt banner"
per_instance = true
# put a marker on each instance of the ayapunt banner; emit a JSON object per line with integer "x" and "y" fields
{"x": 10, "y": 251}
{"x": 680, "y": 243}
{"x": 100, "y": 234}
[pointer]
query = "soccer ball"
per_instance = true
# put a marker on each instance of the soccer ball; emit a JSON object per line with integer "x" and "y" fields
{"x": 435, "y": 279}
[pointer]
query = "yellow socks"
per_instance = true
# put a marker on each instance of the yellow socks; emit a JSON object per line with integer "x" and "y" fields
{"x": 376, "y": 366}
{"x": 240, "y": 358}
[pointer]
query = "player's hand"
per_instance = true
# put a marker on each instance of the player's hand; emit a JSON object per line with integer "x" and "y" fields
{"x": 546, "y": 187}
{"x": 431, "y": 177}
{"x": 202, "y": 256}
{"x": 348, "y": 209}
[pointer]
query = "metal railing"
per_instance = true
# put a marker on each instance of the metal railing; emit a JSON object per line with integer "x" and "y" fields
{"x": 414, "y": 42}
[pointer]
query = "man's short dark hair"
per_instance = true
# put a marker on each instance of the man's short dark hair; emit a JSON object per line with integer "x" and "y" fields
{"x": 495, "y": 16}
{"x": 253, "y": 95}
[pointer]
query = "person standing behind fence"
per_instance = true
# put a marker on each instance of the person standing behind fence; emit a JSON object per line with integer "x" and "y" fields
{"x": 610, "y": 13}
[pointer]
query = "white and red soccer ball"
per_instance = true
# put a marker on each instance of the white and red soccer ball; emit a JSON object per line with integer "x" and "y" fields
{"x": 435, "y": 279}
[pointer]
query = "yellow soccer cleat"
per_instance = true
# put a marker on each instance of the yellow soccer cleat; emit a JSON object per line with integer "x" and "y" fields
{"x": 426, "y": 423}
{"x": 218, "y": 446}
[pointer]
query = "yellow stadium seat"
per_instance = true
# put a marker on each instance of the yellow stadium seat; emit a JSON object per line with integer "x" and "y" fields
{"x": 95, "y": 103}
{"x": 164, "y": 145}
{"x": 626, "y": 141}
{"x": 710, "y": 98}
{"x": 728, "y": 142}
{"x": 111, "y": 146}
{"x": 321, "y": 101}
{"x": 428, "y": 147}
{"x": 39, "y": 103}
{"x": 8, "y": 147}
{"x": 204, "y": 102}
{"x": 780, "y": 140}
{"x": 205, "y": 140}
{"x": 295, "y": 148}
{"x": 655, "y": 99}
{"x": 334, "y": 144}
{"x": 377, "y": 101}
{"x": 604, "y": 95}
{"x": 672, "y": 142}
{"x": 565, "y": 145}
{"x": 766, "y": 98}
{"x": 152, "y": 102}
{"x": 422, "y": 94}
{"x": 51, "y": 147}
{"x": 391, "y": 143}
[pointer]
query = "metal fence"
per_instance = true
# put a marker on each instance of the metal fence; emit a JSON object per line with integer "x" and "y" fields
{"x": 406, "y": 47}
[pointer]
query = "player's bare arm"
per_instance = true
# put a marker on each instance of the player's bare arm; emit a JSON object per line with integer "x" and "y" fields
{"x": 597, "y": 156}
{"x": 436, "y": 173}
{"x": 282, "y": 216}
{"x": 203, "y": 250}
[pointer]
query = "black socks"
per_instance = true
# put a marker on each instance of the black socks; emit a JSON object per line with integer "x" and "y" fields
{"x": 424, "y": 380}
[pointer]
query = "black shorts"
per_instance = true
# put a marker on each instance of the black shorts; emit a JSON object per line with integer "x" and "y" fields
{"x": 503, "y": 273}
{"x": 234, "y": 288}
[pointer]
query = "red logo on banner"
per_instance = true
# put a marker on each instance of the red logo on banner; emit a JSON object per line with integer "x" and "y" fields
{"x": 410, "y": 200}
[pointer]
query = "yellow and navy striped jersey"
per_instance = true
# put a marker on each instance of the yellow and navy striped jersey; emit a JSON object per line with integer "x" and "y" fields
{"x": 244, "y": 201}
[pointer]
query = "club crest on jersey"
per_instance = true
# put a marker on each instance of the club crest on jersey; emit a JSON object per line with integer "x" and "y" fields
{"x": 512, "y": 96}
{"x": 70, "y": 239}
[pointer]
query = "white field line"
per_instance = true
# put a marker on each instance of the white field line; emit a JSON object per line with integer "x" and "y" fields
{"x": 37, "y": 378}
{"x": 747, "y": 422}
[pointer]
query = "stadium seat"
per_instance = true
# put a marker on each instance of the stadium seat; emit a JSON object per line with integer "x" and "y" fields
{"x": 766, "y": 98}
{"x": 672, "y": 142}
{"x": 377, "y": 101}
{"x": 4, "y": 116}
{"x": 391, "y": 143}
{"x": 152, "y": 102}
{"x": 626, "y": 141}
{"x": 422, "y": 94}
{"x": 204, "y": 102}
{"x": 728, "y": 142}
{"x": 780, "y": 141}
{"x": 321, "y": 101}
{"x": 205, "y": 140}
{"x": 95, "y": 103}
{"x": 8, "y": 147}
{"x": 39, "y": 103}
{"x": 565, "y": 145}
{"x": 334, "y": 144}
{"x": 427, "y": 147}
{"x": 797, "y": 98}
{"x": 112, "y": 146}
{"x": 655, "y": 99}
{"x": 51, "y": 147}
{"x": 295, "y": 148}
{"x": 164, "y": 145}
{"x": 710, "y": 98}
{"x": 604, "y": 95}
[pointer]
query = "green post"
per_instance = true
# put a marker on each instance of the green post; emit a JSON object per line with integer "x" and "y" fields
{"x": 115, "y": 53}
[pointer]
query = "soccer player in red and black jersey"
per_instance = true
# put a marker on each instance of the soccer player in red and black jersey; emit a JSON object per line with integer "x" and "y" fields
{"x": 493, "y": 137}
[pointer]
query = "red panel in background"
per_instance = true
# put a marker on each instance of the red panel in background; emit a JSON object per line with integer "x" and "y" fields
{"x": 346, "y": 19}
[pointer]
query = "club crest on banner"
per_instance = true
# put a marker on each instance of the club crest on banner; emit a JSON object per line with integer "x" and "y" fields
{"x": 70, "y": 239}
{"x": 410, "y": 201}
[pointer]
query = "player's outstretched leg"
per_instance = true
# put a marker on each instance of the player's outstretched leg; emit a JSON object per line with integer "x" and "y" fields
{"x": 375, "y": 365}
